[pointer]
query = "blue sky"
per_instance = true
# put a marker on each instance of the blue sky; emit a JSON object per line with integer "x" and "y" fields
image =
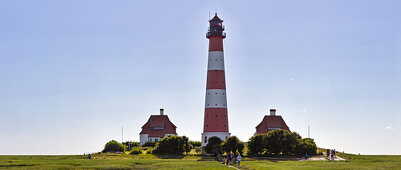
{"x": 72, "y": 73}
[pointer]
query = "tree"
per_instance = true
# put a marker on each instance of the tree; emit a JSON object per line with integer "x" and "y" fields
{"x": 129, "y": 145}
{"x": 281, "y": 141}
{"x": 213, "y": 145}
{"x": 149, "y": 144}
{"x": 195, "y": 143}
{"x": 172, "y": 145}
{"x": 231, "y": 144}
{"x": 241, "y": 147}
{"x": 257, "y": 143}
{"x": 113, "y": 146}
{"x": 306, "y": 145}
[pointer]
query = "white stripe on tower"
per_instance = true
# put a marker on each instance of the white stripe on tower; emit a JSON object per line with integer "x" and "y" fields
{"x": 216, "y": 98}
{"x": 216, "y": 60}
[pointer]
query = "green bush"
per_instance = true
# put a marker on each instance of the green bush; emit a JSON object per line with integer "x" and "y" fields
{"x": 231, "y": 144}
{"x": 129, "y": 145}
{"x": 195, "y": 143}
{"x": 281, "y": 142}
{"x": 172, "y": 145}
{"x": 136, "y": 151}
{"x": 306, "y": 145}
{"x": 149, "y": 151}
{"x": 257, "y": 144}
{"x": 241, "y": 147}
{"x": 214, "y": 145}
{"x": 149, "y": 144}
{"x": 113, "y": 146}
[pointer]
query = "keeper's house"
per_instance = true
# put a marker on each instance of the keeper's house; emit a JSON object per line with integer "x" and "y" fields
{"x": 271, "y": 122}
{"x": 158, "y": 126}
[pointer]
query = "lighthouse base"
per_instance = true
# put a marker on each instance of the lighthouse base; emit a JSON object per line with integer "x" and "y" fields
{"x": 206, "y": 135}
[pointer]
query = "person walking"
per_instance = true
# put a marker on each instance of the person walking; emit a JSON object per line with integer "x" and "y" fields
{"x": 89, "y": 156}
{"x": 227, "y": 158}
{"x": 306, "y": 156}
{"x": 334, "y": 154}
{"x": 239, "y": 160}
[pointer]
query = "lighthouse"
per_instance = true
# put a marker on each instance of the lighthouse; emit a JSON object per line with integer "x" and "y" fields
{"x": 216, "y": 115}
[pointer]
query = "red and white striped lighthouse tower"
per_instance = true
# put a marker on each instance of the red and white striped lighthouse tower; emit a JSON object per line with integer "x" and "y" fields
{"x": 215, "y": 118}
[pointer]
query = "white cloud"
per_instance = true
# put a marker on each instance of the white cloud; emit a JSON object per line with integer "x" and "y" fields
{"x": 389, "y": 127}
{"x": 301, "y": 110}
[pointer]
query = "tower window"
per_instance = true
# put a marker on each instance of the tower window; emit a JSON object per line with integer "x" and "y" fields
{"x": 205, "y": 139}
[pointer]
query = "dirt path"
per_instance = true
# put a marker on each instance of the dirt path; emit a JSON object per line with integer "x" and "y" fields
{"x": 336, "y": 158}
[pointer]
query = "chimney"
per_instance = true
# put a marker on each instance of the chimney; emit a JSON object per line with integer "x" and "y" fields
{"x": 272, "y": 112}
{"x": 161, "y": 111}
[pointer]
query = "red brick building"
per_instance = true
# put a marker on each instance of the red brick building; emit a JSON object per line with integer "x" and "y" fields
{"x": 271, "y": 122}
{"x": 158, "y": 126}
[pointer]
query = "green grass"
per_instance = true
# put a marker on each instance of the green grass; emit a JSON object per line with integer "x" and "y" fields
{"x": 107, "y": 161}
{"x": 352, "y": 162}
{"x": 148, "y": 161}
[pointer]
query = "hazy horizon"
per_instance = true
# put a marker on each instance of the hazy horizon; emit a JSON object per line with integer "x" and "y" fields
{"x": 72, "y": 73}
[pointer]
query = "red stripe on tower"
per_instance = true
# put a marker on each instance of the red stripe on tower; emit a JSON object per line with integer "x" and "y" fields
{"x": 216, "y": 115}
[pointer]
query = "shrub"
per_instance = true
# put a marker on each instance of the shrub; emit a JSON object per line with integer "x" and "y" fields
{"x": 231, "y": 144}
{"x": 149, "y": 144}
{"x": 129, "y": 145}
{"x": 214, "y": 145}
{"x": 306, "y": 145}
{"x": 149, "y": 151}
{"x": 195, "y": 143}
{"x": 256, "y": 144}
{"x": 113, "y": 146}
{"x": 136, "y": 151}
{"x": 241, "y": 147}
{"x": 281, "y": 141}
{"x": 172, "y": 145}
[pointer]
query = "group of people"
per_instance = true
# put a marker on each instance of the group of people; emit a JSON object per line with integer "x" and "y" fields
{"x": 331, "y": 154}
{"x": 230, "y": 159}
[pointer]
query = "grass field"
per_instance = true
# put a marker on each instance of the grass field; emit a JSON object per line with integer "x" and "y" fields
{"x": 107, "y": 161}
{"x": 115, "y": 161}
